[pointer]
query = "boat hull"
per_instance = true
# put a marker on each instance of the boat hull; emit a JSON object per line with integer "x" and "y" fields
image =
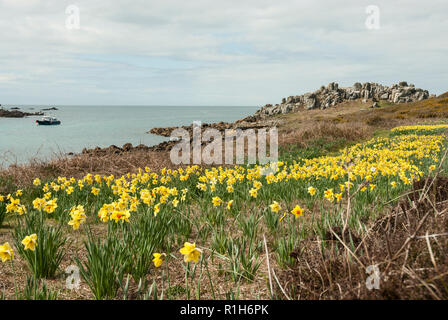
{"x": 48, "y": 123}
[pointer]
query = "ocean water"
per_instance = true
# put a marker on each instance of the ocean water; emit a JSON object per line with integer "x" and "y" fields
{"x": 91, "y": 126}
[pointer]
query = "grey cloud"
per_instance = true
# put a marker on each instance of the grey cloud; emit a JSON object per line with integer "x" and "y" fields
{"x": 231, "y": 52}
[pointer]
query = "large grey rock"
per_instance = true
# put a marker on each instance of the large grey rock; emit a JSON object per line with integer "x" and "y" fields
{"x": 310, "y": 102}
{"x": 357, "y": 86}
{"x": 384, "y": 96}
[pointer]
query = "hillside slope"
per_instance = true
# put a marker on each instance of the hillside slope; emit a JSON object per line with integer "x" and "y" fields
{"x": 353, "y": 121}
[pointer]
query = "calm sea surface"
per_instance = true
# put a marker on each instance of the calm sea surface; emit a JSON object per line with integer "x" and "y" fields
{"x": 90, "y": 126}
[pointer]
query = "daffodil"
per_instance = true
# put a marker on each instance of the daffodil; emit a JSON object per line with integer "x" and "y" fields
{"x": 216, "y": 201}
{"x": 257, "y": 185}
{"x": 190, "y": 252}
{"x": 39, "y": 203}
{"x": 13, "y": 205}
{"x": 275, "y": 207}
{"x": 297, "y": 211}
{"x": 78, "y": 217}
{"x": 329, "y": 195}
{"x": 156, "y": 209}
{"x": 30, "y": 242}
{"x": 51, "y": 205}
{"x": 253, "y": 193}
{"x": 120, "y": 215}
{"x": 157, "y": 259}
{"x": 284, "y": 215}
{"x": 312, "y": 191}
{"x": 69, "y": 190}
{"x": 95, "y": 191}
{"x": 6, "y": 252}
{"x": 338, "y": 196}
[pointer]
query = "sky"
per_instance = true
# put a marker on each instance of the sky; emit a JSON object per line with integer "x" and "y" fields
{"x": 214, "y": 53}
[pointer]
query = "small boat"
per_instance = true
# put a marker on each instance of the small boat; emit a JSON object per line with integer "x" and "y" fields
{"x": 48, "y": 121}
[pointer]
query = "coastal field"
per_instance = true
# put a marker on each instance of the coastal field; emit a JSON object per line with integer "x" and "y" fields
{"x": 357, "y": 209}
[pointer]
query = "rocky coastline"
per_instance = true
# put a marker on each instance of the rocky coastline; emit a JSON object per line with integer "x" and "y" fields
{"x": 126, "y": 148}
{"x": 326, "y": 97}
{"x": 166, "y": 132}
{"x": 4, "y": 113}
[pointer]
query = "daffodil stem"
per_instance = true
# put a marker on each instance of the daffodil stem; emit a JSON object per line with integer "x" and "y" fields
{"x": 15, "y": 282}
{"x": 35, "y": 271}
{"x": 210, "y": 280}
{"x": 187, "y": 272}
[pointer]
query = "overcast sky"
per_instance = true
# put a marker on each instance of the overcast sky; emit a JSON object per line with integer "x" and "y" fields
{"x": 209, "y": 52}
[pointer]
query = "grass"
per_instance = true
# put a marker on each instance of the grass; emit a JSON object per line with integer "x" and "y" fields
{"x": 315, "y": 148}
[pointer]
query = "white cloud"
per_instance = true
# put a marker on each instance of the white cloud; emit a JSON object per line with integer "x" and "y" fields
{"x": 243, "y": 52}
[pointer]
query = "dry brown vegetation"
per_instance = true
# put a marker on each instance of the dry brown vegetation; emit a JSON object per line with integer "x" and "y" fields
{"x": 79, "y": 165}
{"x": 409, "y": 245}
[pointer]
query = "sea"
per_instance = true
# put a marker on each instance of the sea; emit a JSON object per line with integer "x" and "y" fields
{"x": 21, "y": 139}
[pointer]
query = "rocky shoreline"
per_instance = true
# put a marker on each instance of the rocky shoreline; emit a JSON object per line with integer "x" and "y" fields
{"x": 166, "y": 132}
{"x": 127, "y": 148}
{"x": 220, "y": 126}
{"x": 18, "y": 114}
{"x": 324, "y": 98}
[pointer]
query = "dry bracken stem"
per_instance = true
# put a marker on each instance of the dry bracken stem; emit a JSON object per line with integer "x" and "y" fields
{"x": 268, "y": 265}
{"x": 413, "y": 275}
{"x": 431, "y": 254}
{"x": 412, "y": 236}
{"x": 281, "y": 288}
{"x": 346, "y": 247}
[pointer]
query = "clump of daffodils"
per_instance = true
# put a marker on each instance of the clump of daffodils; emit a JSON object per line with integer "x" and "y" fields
{"x": 14, "y": 205}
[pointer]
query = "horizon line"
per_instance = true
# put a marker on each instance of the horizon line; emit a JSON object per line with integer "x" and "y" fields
{"x": 120, "y": 105}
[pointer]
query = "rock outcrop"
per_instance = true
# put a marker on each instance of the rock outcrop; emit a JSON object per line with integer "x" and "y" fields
{"x": 332, "y": 94}
{"x": 127, "y": 148}
{"x": 323, "y": 98}
{"x": 242, "y": 124}
{"x": 17, "y": 114}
